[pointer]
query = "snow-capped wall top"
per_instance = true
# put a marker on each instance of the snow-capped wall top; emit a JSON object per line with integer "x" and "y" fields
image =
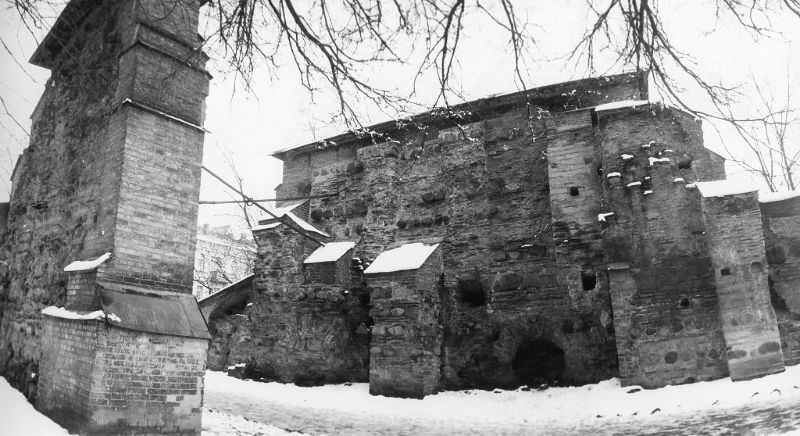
{"x": 60, "y": 312}
{"x": 403, "y": 258}
{"x": 721, "y": 188}
{"x": 620, "y": 105}
{"x": 330, "y": 252}
{"x": 87, "y": 265}
{"x": 769, "y": 197}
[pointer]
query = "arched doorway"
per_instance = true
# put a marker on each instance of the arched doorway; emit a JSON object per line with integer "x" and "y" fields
{"x": 538, "y": 361}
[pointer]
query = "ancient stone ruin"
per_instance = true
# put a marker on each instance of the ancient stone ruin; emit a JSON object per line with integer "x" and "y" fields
{"x": 99, "y": 326}
{"x": 564, "y": 234}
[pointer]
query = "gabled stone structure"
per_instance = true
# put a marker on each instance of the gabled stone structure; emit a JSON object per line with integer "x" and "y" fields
{"x": 113, "y": 167}
{"x": 573, "y": 245}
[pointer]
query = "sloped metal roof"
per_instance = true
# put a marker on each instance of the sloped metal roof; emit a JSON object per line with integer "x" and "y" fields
{"x": 166, "y": 313}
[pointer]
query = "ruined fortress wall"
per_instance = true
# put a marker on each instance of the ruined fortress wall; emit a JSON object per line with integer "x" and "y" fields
{"x": 97, "y": 176}
{"x": 487, "y": 195}
{"x": 663, "y": 289}
{"x": 298, "y": 330}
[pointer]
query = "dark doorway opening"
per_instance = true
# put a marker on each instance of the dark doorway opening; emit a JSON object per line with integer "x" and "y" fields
{"x": 538, "y": 362}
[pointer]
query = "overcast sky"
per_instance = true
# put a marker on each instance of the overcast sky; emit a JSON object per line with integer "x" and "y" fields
{"x": 278, "y": 113}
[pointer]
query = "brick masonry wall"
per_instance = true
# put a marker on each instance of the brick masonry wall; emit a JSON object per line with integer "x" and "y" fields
{"x": 81, "y": 294}
{"x": 740, "y": 265}
{"x": 406, "y": 346}
{"x": 65, "y": 380}
{"x": 101, "y": 379}
{"x": 661, "y": 280}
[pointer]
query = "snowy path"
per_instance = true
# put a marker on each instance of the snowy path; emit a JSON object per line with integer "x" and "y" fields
{"x": 767, "y": 405}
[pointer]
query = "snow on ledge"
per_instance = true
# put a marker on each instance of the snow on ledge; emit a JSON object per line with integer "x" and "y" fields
{"x": 60, "y": 312}
{"x": 602, "y": 216}
{"x": 621, "y": 104}
{"x": 403, "y": 258}
{"x": 87, "y": 265}
{"x": 721, "y": 188}
{"x": 330, "y": 252}
{"x": 770, "y": 197}
{"x": 614, "y": 174}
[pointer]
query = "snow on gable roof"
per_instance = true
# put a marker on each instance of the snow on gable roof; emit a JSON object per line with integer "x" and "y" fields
{"x": 721, "y": 188}
{"x": 87, "y": 265}
{"x": 330, "y": 252}
{"x": 620, "y": 104}
{"x": 303, "y": 224}
{"x": 770, "y": 197}
{"x": 403, "y": 258}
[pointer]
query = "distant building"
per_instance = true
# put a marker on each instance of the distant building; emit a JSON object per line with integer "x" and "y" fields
{"x": 221, "y": 258}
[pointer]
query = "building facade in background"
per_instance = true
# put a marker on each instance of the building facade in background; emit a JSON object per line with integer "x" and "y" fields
{"x": 221, "y": 259}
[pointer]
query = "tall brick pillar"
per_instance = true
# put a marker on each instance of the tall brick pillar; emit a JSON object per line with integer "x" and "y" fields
{"x": 736, "y": 246}
{"x": 114, "y": 171}
{"x": 148, "y": 137}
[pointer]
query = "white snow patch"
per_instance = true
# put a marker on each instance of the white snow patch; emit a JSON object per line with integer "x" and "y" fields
{"x": 402, "y": 258}
{"x": 632, "y": 184}
{"x": 265, "y": 226}
{"x": 305, "y": 225}
{"x": 114, "y": 318}
{"x": 620, "y": 105}
{"x": 691, "y": 185}
{"x": 87, "y": 265}
{"x": 678, "y": 180}
{"x": 60, "y": 312}
{"x": 614, "y": 174}
{"x": 769, "y": 197}
{"x": 330, "y": 252}
{"x": 556, "y": 405}
{"x": 669, "y": 150}
{"x": 647, "y": 192}
{"x": 20, "y": 418}
{"x": 655, "y": 160}
{"x": 602, "y": 216}
{"x": 721, "y": 188}
{"x": 626, "y": 156}
{"x": 222, "y": 424}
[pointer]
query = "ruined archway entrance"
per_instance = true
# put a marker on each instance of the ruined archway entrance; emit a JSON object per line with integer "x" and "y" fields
{"x": 538, "y": 361}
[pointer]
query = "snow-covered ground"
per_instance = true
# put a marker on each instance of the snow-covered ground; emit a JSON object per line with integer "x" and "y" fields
{"x": 240, "y": 407}
{"x": 19, "y": 418}
{"x": 588, "y": 405}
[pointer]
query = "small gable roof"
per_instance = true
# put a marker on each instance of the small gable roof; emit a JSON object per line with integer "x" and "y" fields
{"x": 167, "y": 313}
{"x": 330, "y": 252}
{"x": 403, "y": 258}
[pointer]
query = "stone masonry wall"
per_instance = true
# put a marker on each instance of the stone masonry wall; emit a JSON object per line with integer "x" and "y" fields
{"x": 299, "y": 330}
{"x": 406, "y": 346}
{"x": 477, "y": 179}
{"x": 65, "y": 195}
{"x": 782, "y": 239}
{"x": 748, "y": 321}
{"x": 660, "y": 276}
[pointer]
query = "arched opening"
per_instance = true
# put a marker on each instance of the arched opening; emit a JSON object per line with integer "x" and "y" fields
{"x": 538, "y": 361}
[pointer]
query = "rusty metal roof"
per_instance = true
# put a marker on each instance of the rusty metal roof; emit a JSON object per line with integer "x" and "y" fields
{"x": 167, "y": 313}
